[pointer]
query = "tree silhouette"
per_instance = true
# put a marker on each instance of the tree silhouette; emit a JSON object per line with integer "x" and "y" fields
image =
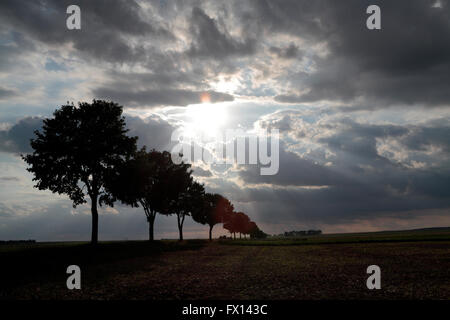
{"x": 216, "y": 209}
{"x": 78, "y": 150}
{"x": 241, "y": 221}
{"x": 230, "y": 224}
{"x": 192, "y": 201}
{"x": 143, "y": 180}
{"x": 250, "y": 228}
{"x": 255, "y": 232}
{"x": 182, "y": 193}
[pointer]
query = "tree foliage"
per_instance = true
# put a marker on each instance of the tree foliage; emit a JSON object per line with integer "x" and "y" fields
{"x": 78, "y": 150}
{"x": 214, "y": 209}
{"x": 144, "y": 181}
{"x": 239, "y": 222}
{"x": 183, "y": 193}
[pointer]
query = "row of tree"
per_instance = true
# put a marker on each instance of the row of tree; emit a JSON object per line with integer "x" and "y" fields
{"x": 85, "y": 151}
{"x": 152, "y": 180}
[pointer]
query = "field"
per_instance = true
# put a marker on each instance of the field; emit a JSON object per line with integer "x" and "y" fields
{"x": 414, "y": 265}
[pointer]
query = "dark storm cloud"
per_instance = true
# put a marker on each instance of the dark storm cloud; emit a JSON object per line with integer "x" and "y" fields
{"x": 153, "y": 132}
{"x": 294, "y": 171}
{"x": 209, "y": 41}
{"x": 353, "y": 139}
{"x": 168, "y": 80}
{"x": 342, "y": 203}
{"x": 165, "y": 74}
{"x": 355, "y": 181}
{"x": 106, "y": 26}
{"x": 126, "y": 33}
{"x": 436, "y": 134}
{"x": 17, "y": 138}
{"x": 332, "y": 205}
{"x": 407, "y": 61}
{"x": 357, "y": 155}
{"x": 158, "y": 97}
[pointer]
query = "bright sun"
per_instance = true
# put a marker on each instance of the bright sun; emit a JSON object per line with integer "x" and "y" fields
{"x": 206, "y": 118}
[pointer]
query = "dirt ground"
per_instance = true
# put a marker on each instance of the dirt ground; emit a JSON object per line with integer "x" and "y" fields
{"x": 409, "y": 270}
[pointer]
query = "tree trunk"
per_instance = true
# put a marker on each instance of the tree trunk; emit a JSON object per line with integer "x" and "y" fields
{"x": 240, "y": 235}
{"x": 210, "y": 232}
{"x": 94, "y": 212}
{"x": 151, "y": 222}
{"x": 234, "y": 235}
{"x": 180, "y": 230}
{"x": 180, "y": 226}
{"x": 150, "y": 230}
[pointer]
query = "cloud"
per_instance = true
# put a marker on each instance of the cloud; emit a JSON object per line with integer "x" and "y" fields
{"x": 163, "y": 97}
{"x": 104, "y": 34}
{"x": 9, "y": 179}
{"x": 318, "y": 52}
{"x": 209, "y": 41}
{"x": 294, "y": 171}
{"x": 17, "y": 138}
{"x": 5, "y": 211}
{"x": 14, "y": 44}
{"x": 290, "y": 52}
{"x": 6, "y": 93}
{"x": 395, "y": 65}
{"x": 200, "y": 172}
{"x": 434, "y": 134}
{"x": 153, "y": 132}
{"x": 340, "y": 173}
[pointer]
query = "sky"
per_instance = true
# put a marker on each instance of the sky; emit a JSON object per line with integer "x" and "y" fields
{"x": 363, "y": 115}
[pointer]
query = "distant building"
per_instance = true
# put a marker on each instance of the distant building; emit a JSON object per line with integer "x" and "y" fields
{"x": 293, "y": 234}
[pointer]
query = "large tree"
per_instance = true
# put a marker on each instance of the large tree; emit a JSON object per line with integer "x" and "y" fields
{"x": 182, "y": 193}
{"x": 216, "y": 209}
{"x": 78, "y": 149}
{"x": 144, "y": 180}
